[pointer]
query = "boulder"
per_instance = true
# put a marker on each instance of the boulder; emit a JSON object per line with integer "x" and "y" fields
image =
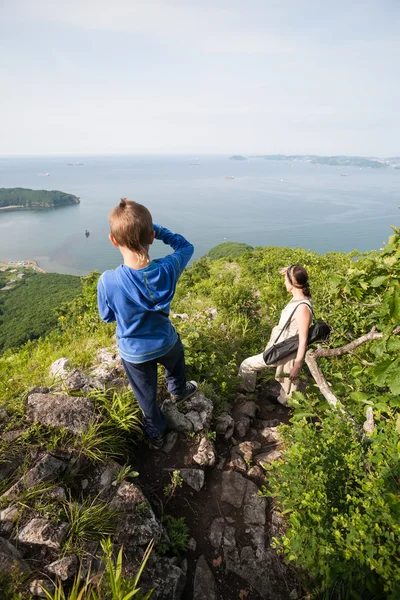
{"x": 42, "y": 532}
{"x": 138, "y": 524}
{"x": 205, "y": 455}
{"x": 10, "y": 557}
{"x": 193, "y": 477}
{"x": 168, "y": 577}
{"x": 248, "y": 409}
{"x": 242, "y": 427}
{"x": 204, "y": 584}
{"x": 254, "y": 506}
{"x": 37, "y": 588}
{"x": 176, "y": 420}
{"x": 48, "y": 467}
{"x": 233, "y": 488}
{"x": 60, "y": 368}
{"x": 170, "y": 440}
{"x": 267, "y": 457}
{"x": 59, "y": 410}
{"x": 64, "y": 568}
{"x": 216, "y": 532}
{"x": 109, "y": 364}
{"x": 225, "y": 425}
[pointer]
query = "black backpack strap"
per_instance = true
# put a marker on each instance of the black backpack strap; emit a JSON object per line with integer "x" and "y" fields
{"x": 286, "y": 325}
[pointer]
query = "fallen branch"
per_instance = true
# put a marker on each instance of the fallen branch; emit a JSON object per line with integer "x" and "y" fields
{"x": 324, "y": 387}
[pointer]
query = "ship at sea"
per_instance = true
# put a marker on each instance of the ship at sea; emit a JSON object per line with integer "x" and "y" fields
{"x": 74, "y": 164}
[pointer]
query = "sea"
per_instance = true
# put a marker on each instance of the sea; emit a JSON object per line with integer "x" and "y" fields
{"x": 208, "y": 199}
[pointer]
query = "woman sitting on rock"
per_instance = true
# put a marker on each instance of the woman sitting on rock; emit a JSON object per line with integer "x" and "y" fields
{"x": 288, "y": 369}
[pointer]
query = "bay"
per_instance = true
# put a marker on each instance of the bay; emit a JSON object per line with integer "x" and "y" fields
{"x": 209, "y": 199}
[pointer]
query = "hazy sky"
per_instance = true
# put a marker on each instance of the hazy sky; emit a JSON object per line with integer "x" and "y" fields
{"x": 211, "y": 76}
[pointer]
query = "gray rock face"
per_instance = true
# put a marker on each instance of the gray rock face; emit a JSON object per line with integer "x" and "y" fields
{"x": 233, "y": 488}
{"x": 271, "y": 434}
{"x": 254, "y": 506}
{"x": 103, "y": 480}
{"x": 248, "y": 409}
{"x": 204, "y": 583}
{"x": 216, "y": 532}
{"x": 267, "y": 457}
{"x": 193, "y": 415}
{"x": 247, "y": 450}
{"x": 41, "y": 532}
{"x": 193, "y": 477}
{"x": 75, "y": 380}
{"x": 242, "y": 427}
{"x": 109, "y": 363}
{"x": 64, "y": 568}
{"x": 60, "y": 368}
{"x": 255, "y": 472}
{"x": 225, "y": 425}
{"x": 9, "y": 557}
{"x": 169, "y": 579}
{"x": 60, "y": 410}
{"x": 205, "y": 456}
{"x": 138, "y": 524}
{"x": 47, "y": 468}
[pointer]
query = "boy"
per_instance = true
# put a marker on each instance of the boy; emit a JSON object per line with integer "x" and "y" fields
{"x": 138, "y": 295}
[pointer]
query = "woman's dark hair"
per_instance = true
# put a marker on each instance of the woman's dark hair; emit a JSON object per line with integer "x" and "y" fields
{"x": 298, "y": 277}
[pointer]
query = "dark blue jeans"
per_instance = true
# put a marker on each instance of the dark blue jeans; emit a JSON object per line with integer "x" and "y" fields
{"x": 143, "y": 379}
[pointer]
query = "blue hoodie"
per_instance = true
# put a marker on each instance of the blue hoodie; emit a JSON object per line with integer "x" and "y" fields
{"x": 139, "y": 300}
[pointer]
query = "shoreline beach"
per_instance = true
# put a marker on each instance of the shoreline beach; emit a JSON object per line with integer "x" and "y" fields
{"x": 30, "y": 264}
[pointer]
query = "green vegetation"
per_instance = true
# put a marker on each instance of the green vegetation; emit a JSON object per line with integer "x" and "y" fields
{"x": 337, "y": 487}
{"x": 28, "y": 309}
{"x": 228, "y": 250}
{"x": 178, "y": 533}
{"x": 25, "y": 198}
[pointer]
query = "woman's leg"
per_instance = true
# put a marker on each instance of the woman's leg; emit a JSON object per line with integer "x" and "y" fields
{"x": 248, "y": 371}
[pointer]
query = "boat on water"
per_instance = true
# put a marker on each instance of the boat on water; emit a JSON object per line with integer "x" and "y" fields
{"x": 229, "y": 177}
{"x": 43, "y": 174}
{"x": 343, "y": 175}
{"x": 74, "y": 164}
{"x": 87, "y": 233}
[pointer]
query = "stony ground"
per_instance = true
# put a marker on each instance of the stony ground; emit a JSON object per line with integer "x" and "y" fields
{"x": 221, "y": 469}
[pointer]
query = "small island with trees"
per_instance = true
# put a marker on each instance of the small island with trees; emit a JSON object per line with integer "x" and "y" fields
{"x": 26, "y": 199}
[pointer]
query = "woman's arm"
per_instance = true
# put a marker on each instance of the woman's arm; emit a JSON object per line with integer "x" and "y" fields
{"x": 303, "y": 318}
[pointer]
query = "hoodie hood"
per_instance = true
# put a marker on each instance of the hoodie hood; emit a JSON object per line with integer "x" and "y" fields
{"x": 149, "y": 287}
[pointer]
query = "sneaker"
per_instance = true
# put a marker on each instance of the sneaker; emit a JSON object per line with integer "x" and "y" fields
{"x": 157, "y": 442}
{"x": 191, "y": 388}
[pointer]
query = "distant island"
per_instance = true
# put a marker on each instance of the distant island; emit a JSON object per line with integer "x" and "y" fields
{"x": 25, "y": 199}
{"x": 336, "y": 161}
{"x": 237, "y": 157}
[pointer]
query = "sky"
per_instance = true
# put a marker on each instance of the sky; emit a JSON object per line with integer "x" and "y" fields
{"x": 208, "y": 76}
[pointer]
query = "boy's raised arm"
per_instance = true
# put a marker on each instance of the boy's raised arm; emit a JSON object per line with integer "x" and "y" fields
{"x": 183, "y": 250}
{"x": 106, "y": 313}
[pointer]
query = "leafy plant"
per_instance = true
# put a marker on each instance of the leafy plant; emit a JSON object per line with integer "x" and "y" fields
{"x": 178, "y": 533}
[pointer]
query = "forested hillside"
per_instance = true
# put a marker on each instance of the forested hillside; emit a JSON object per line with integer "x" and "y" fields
{"x": 337, "y": 483}
{"x": 25, "y": 198}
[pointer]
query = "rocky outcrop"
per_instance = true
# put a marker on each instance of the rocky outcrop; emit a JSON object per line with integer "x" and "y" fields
{"x": 61, "y": 410}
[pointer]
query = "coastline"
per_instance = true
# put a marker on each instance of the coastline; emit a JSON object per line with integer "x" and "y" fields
{"x": 24, "y": 264}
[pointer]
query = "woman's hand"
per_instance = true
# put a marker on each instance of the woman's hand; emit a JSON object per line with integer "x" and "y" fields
{"x": 283, "y": 271}
{"x": 294, "y": 373}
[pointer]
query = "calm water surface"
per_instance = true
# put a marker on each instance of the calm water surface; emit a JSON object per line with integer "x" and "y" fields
{"x": 267, "y": 203}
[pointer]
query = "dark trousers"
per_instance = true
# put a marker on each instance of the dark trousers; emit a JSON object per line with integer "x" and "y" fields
{"x": 143, "y": 379}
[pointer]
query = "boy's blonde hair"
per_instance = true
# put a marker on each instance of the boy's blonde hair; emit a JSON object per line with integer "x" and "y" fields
{"x": 132, "y": 225}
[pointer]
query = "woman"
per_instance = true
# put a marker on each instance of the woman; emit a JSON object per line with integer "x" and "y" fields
{"x": 288, "y": 369}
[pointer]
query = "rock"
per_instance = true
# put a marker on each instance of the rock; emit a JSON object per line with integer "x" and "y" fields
{"x": 277, "y": 525}
{"x": 267, "y": 457}
{"x": 182, "y": 316}
{"x": 37, "y": 587}
{"x": 41, "y": 532}
{"x": 246, "y": 449}
{"x": 237, "y": 462}
{"x": 248, "y": 409}
{"x": 242, "y": 427}
{"x": 204, "y": 583}
{"x": 109, "y": 364}
{"x": 170, "y": 440}
{"x": 64, "y": 568}
{"x": 11, "y": 436}
{"x": 253, "y": 506}
{"x": 256, "y": 536}
{"x": 10, "y": 557}
{"x": 47, "y": 468}
{"x": 192, "y": 545}
{"x": 75, "y": 381}
{"x": 38, "y": 390}
{"x": 233, "y": 488}
{"x": 216, "y": 532}
{"x": 201, "y": 405}
{"x": 102, "y": 479}
{"x": 271, "y": 434}
{"x": 255, "y": 473}
{"x": 293, "y": 594}
{"x": 229, "y": 538}
{"x": 138, "y": 524}
{"x": 205, "y": 456}
{"x": 57, "y": 492}
{"x": 60, "y": 368}
{"x": 60, "y": 410}
{"x": 119, "y": 383}
{"x": 221, "y": 463}
{"x": 168, "y": 578}
{"x": 212, "y": 313}
{"x": 176, "y": 420}
{"x": 225, "y": 425}
{"x": 193, "y": 477}
{"x": 10, "y": 514}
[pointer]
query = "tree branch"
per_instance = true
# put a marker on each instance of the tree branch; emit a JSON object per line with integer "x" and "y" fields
{"x": 368, "y": 337}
